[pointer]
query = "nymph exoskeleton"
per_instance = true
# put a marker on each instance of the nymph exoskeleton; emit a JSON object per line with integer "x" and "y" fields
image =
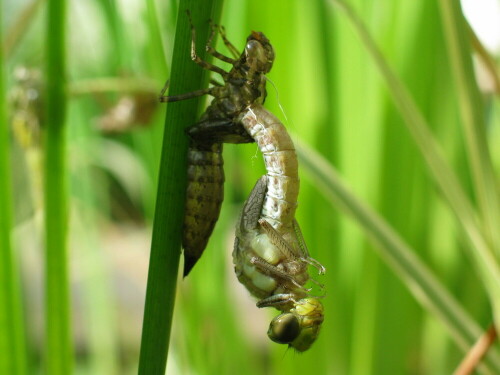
{"x": 244, "y": 84}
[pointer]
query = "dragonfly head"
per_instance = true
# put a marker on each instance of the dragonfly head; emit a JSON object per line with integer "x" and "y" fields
{"x": 299, "y": 327}
{"x": 259, "y": 53}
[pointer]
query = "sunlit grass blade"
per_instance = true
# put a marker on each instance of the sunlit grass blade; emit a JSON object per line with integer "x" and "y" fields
{"x": 473, "y": 121}
{"x": 20, "y": 27}
{"x": 424, "y": 286}
{"x": 59, "y": 348}
{"x": 114, "y": 22}
{"x": 13, "y": 359}
{"x": 167, "y": 227}
{"x": 442, "y": 174}
{"x": 154, "y": 29}
{"x": 485, "y": 58}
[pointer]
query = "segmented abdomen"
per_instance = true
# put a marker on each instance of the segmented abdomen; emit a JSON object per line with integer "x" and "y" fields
{"x": 281, "y": 164}
{"x": 204, "y": 196}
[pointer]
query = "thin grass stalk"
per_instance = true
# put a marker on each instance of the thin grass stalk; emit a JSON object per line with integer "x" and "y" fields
{"x": 20, "y": 27}
{"x": 154, "y": 31}
{"x": 474, "y": 125}
{"x": 423, "y": 285}
{"x": 114, "y": 24}
{"x": 59, "y": 348}
{"x": 439, "y": 169}
{"x": 167, "y": 227}
{"x": 472, "y": 110}
{"x": 477, "y": 352}
{"x": 485, "y": 57}
{"x": 13, "y": 359}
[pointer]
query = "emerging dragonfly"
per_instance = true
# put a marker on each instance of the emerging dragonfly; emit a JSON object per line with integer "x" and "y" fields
{"x": 243, "y": 85}
{"x": 270, "y": 255}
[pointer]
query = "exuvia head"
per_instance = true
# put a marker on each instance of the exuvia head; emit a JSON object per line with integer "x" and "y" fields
{"x": 299, "y": 327}
{"x": 259, "y": 53}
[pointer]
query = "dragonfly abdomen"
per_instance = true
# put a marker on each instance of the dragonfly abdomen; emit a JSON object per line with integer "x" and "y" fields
{"x": 204, "y": 196}
{"x": 281, "y": 165}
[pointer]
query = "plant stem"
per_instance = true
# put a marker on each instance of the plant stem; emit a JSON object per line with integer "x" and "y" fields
{"x": 59, "y": 349}
{"x": 12, "y": 331}
{"x": 186, "y": 76}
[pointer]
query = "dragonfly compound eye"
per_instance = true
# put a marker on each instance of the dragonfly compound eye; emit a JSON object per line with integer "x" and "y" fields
{"x": 284, "y": 328}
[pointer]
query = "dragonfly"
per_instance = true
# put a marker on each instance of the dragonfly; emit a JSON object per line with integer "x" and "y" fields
{"x": 244, "y": 84}
{"x": 270, "y": 255}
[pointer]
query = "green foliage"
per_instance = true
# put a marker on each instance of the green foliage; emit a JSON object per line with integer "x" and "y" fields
{"x": 379, "y": 93}
{"x": 167, "y": 225}
{"x": 12, "y": 331}
{"x": 59, "y": 352}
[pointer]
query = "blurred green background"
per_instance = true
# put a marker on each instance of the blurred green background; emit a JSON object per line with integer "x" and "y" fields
{"x": 331, "y": 97}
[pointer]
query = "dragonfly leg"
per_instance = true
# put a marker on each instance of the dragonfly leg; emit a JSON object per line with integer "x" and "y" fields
{"x": 212, "y": 51}
{"x": 203, "y": 64}
{"x": 277, "y": 239}
{"x": 164, "y": 89}
{"x": 273, "y": 271}
{"x": 320, "y": 285}
{"x": 276, "y": 300}
{"x": 313, "y": 262}
{"x": 228, "y": 44}
{"x": 216, "y": 83}
{"x": 197, "y": 59}
{"x": 188, "y": 95}
{"x": 304, "y": 252}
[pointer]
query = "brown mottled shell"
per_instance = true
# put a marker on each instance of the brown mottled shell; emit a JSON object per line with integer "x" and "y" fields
{"x": 204, "y": 196}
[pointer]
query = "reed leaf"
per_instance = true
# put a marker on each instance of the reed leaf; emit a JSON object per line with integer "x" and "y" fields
{"x": 167, "y": 227}
{"x": 443, "y": 175}
{"x": 423, "y": 285}
{"x": 474, "y": 128}
{"x": 59, "y": 348}
{"x": 12, "y": 331}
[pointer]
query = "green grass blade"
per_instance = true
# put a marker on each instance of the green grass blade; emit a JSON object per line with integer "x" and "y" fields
{"x": 167, "y": 227}
{"x": 19, "y": 28}
{"x": 485, "y": 58}
{"x": 114, "y": 22}
{"x": 424, "y": 286}
{"x": 59, "y": 350}
{"x": 473, "y": 121}
{"x": 154, "y": 31}
{"x": 12, "y": 332}
{"x": 442, "y": 174}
